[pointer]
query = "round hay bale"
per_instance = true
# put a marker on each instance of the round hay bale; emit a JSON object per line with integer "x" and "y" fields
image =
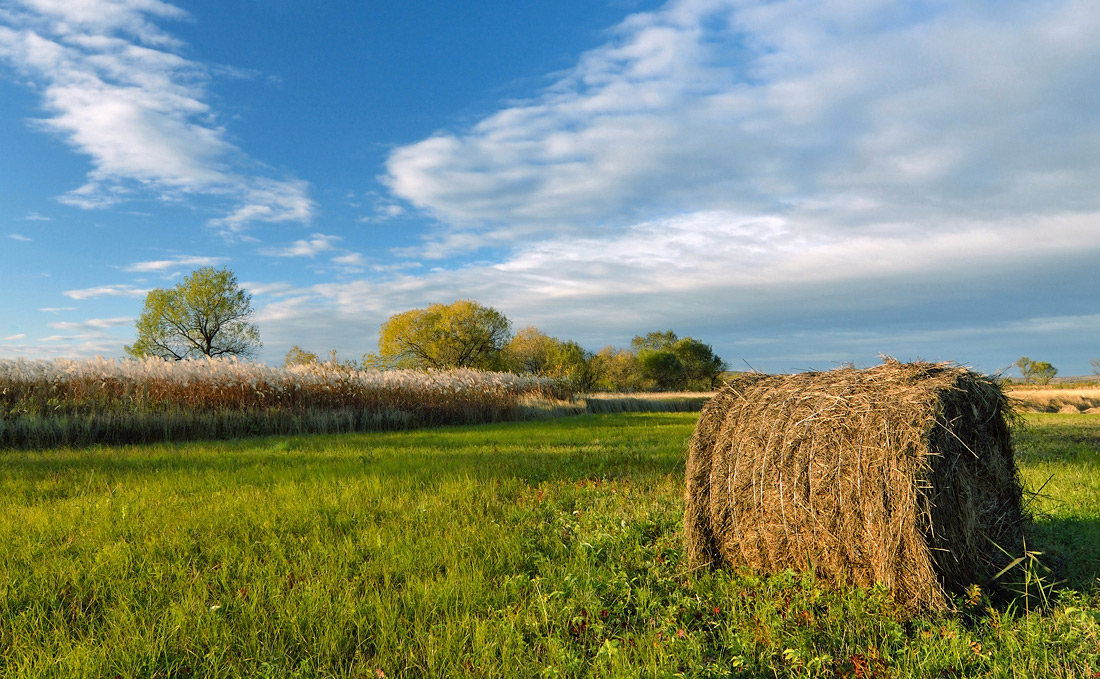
{"x": 901, "y": 474}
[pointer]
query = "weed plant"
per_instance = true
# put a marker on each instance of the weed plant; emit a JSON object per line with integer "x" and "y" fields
{"x": 533, "y": 549}
{"x": 63, "y": 402}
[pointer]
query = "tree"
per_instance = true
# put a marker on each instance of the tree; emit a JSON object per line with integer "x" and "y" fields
{"x": 299, "y": 356}
{"x": 664, "y": 368}
{"x": 528, "y": 352}
{"x": 702, "y": 367}
{"x": 618, "y": 370}
{"x": 654, "y": 341}
{"x": 533, "y": 352}
{"x": 463, "y": 334}
{"x": 206, "y": 314}
{"x": 1044, "y": 372}
{"x": 674, "y": 363}
{"x": 1039, "y": 371}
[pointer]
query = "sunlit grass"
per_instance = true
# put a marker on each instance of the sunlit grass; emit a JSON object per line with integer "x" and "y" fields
{"x": 509, "y": 550}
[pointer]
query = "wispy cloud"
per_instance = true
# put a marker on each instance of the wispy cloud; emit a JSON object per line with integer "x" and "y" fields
{"x": 12, "y": 338}
{"x": 175, "y": 263}
{"x": 317, "y": 244}
{"x": 350, "y": 259}
{"x": 106, "y": 291}
{"x": 35, "y": 217}
{"x": 117, "y": 91}
{"x": 57, "y": 309}
{"x": 92, "y": 324}
{"x": 837, "y": 117}
{"x": 19, "y": 237}
{"x": 269, "y": 200}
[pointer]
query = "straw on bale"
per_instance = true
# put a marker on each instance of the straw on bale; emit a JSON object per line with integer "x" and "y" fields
{"x": 901, "y": 474}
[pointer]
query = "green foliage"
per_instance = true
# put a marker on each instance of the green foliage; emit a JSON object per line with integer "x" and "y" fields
{"x": 663, "y": 368}
{"x": 702, "y": 367}
{"x": 516, "y": 550}
{"x": 618, "y": 370}
{"x": 206, "y": 314}
{"x": 299, "y": 356}
{"x": 1036, "y": 371}
{"x": 672, "y": 363}
{"x": 533, "y": 352}
{"x": 463, "y": 334}
{"x": 654, "y": 341}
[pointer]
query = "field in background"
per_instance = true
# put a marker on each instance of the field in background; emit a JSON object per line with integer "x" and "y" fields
{"x": 1056, "y": 399}
{"x": 527, "y": 549}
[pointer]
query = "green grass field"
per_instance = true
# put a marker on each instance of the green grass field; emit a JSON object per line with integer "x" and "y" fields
{"x": 512, "y": 550}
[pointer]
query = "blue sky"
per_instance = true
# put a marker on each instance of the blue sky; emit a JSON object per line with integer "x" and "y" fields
{"x": 800, "y": 184}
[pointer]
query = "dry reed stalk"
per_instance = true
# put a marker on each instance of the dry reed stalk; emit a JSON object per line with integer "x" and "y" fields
{"x": 901, "y": 475}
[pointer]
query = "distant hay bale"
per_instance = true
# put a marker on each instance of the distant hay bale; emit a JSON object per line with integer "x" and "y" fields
{"x": 901, "y": 474}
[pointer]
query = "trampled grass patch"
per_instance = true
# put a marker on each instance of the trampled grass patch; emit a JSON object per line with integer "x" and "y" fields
{"x": 547, "y": 548}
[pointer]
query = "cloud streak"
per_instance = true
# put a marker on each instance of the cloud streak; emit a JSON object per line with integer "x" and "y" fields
{"x": 105, "y": 291}
{"x": 167, "y": 265}
{"x": 116, "y": 91}
{"x": 92, "y": 324}
{"x": 317, "y": 244}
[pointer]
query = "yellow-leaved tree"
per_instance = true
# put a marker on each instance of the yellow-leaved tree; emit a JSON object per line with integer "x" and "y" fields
{"x": 463, "y": 334}
{"x": 205, "y": 314}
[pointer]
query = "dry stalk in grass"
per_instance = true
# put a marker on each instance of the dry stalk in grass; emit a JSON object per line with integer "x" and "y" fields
{"x": 901, "y": 474}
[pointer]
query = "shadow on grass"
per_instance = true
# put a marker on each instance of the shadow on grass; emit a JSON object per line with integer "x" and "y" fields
{"x": 1070, "y": 547}
{"x": 570, "y": 450}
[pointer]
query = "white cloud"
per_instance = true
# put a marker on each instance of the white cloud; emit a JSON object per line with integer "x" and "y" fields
{"x": 12, "y": 338}
{"x": 116, "y": 91}
{"x": 92, "y": 324}
{"x": 725, "y": 277}
{"x": 182, "y": 261}
{"x": 19, "y": 237}
{"x": 35, "y": 217}
{"x": 63, "y": 346}
{"x": 58, "y": 309}
{"x": 350, "y": 259}
{"x": 106, "y": 291}
{"x": 834, "y": 116}
{"x": 317, "y": 244}
{"x": 269, "y": 200}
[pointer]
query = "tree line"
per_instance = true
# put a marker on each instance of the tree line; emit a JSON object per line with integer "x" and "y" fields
{"x": 467, "y": 334}
{"x": 208, "y": 314}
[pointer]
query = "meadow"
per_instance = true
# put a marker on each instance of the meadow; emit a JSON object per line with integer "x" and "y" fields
{"x": 520, "y": 549}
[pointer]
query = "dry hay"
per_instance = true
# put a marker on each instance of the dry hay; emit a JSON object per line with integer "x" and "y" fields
{"x": 901, "y": 474}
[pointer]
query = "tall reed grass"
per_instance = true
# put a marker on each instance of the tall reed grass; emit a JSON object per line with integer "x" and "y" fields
{"x": 663, "y": 402}
{"x": 66, "y": 402}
